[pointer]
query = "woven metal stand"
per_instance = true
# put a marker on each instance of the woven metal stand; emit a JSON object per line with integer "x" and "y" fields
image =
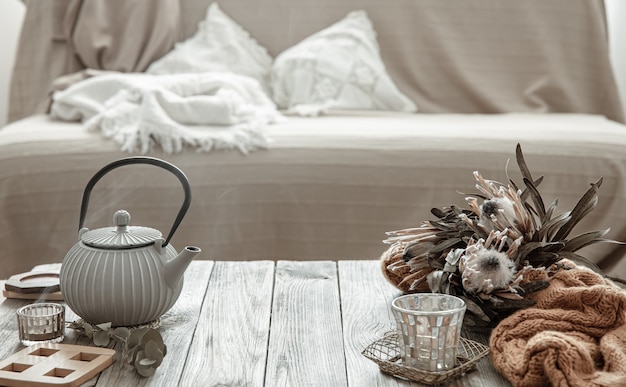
{"x": 386, "y": 353}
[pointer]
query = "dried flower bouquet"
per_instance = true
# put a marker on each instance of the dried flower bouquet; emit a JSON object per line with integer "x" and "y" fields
{"x": 493, "y": 254}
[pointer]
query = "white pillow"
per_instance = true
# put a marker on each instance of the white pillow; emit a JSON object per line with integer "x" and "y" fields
{"x": 220, "y": 44}
{"x": 338, "y": 67}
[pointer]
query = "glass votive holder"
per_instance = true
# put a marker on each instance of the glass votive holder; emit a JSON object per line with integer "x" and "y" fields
{"x": 41, "y": 323}
{"x": 429, "y": 329}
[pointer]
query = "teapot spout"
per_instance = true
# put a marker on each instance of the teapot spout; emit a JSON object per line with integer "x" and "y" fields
{"x": 175, "y": 267}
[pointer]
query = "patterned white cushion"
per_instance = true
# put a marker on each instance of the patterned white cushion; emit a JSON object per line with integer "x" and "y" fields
{"x": 338, "y": 67}
{"x": 220, "y": 44}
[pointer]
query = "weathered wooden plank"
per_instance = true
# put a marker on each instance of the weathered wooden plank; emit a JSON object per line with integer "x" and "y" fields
{"x": 365, "y": 300}
{"x": 229, "y": 346}
{"x": 305, "y": 347}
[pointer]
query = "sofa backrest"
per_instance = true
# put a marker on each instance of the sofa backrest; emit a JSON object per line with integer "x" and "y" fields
{"x": 479, "y": 56}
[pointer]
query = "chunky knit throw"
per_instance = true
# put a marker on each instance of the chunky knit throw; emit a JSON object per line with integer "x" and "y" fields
{"x": 574, "y": 336}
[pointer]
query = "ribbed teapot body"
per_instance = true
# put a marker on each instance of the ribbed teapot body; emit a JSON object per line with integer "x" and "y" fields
{"x": 124, "y": 287}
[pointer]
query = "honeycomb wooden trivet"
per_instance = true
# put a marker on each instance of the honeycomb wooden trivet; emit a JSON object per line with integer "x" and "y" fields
{"x": 54, "y": 365}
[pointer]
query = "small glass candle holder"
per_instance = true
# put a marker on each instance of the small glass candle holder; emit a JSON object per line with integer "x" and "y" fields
{"x": 429, "y": 327}
{"x": 41, "y": 323}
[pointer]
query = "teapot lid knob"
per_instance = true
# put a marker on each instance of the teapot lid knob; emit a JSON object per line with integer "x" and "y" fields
{"x": 121, "y": 218}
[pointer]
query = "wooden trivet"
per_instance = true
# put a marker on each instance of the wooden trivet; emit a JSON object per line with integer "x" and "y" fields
{"x": 54, "y": 365}
{"x": 33, "y": 285}
{"x": 56, "y": 296}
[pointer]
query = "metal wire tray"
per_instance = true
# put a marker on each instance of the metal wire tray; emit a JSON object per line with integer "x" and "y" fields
{"x": 386, "y": 353}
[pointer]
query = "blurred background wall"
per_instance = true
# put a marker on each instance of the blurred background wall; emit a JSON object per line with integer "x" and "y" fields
{"x": 11, "y": 16}
{"x": 616, "y": 14}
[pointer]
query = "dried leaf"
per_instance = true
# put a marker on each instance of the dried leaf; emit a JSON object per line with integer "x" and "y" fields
{"x": 151, "y": 335}
{"x": 122, "y": 332}
{"x": 475, "y": 309}
{"x": 580, "y": 260}
{"x": 528, "y": 248}
{"x": 438, "y": 213}
{"x": 525, "y": 193}
{"x": 441, "y": 225}
{"x": 101, "y": 338}
{"x": 507, "y": 304}
{"x": 147, "y": 362}
{"x": 548, "y": 215}
{"x": 142, "y": 369}
{"x": 508, "y": 295}
{"x": 521, "y": 163}
{"x": 135, "y": 337}
{"x": 582, "y": 208}
{"x": 535, "y": 196}
{"x": 552, "y": 226}
{"x": 104, "y": 326}
{"x": 78, "y": 324}
{"x": 534, "y": 286}
{"x": 543, "y": 258}
{"x": 416, "y": 249}
{"x": 445, "y": 245}
{"x": 585, "y": 239}
{"x": 153, "y": 351}
{"x": 88, "y": 330}
{"x": 131, "y": 358}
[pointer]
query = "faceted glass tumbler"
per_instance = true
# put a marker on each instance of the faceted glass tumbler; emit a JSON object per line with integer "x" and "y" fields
{"x": 41, "y": 323}
{"x": 429, "y": 328}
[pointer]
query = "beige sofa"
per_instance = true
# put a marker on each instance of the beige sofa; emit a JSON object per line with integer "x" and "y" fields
{"x": 484, "y": 75}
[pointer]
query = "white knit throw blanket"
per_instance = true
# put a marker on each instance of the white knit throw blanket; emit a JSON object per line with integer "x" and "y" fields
{"x": 214, "y": 110}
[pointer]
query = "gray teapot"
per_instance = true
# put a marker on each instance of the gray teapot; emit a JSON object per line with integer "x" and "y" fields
{"x": 126, "y": 275}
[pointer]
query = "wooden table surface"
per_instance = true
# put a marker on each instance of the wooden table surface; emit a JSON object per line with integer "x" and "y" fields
{"x": 265, "y": 323}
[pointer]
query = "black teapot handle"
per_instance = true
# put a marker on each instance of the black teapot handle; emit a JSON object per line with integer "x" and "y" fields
{"x": 139, "y": 160}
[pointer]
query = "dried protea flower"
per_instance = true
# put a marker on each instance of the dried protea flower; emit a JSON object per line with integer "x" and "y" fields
{"x": 425, "y": 233}
{"x": 497, "y": 209}
{"x": 484, "y": 267}
{"x": 407, "y": 276}
{"x": 502, "y": 209}
{"x": 486, "y": 270}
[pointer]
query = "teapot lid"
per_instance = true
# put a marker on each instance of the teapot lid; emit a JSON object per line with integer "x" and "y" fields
{"x": 122, "y": 236}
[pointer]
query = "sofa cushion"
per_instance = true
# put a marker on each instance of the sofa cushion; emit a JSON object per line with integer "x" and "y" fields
{"x": 337, "y": 67}
{"x": 219, "y": 44}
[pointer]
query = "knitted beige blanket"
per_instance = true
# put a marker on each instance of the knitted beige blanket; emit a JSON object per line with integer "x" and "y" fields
{"x": 574, "y": 336}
